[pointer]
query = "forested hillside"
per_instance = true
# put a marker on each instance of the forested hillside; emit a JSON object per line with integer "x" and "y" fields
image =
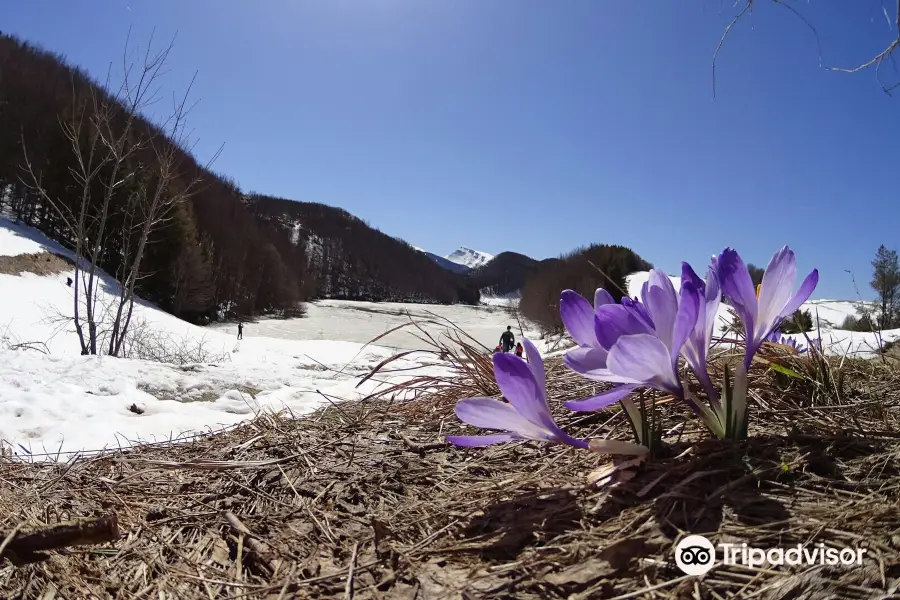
{"x": 583, "y": 270}
{"x": 80, "y": 162}
{"x": 77, "y": 157}
{"x": 505, "y": 274}
{"x": 348, "y": 259}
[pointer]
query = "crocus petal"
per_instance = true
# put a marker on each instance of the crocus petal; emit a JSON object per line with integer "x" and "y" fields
{"x": 590, "y": 363}
{"x": 713, "y": 297}
{"x": 688, "y": 274}
{"x": 578, "y": 317}
{"x": 802, "y": 295}
{"x": 535, "y": 363}
{"x": 615, "y": 320}
{"x": 737, "y": 285}
{"x": 644, "y": 357}
{"x": 697, "y": 346}
{"x": 662, "y": 304}
{"x": 475, "y": 441}
{"x": 775, "y": 293}
{"x": 494, "y": 414}
{"x": 607, "y": 376}
{"x": 640, "y": 312}
{"x": 581, "y": 360}
{"x": 518, "y": 385}
{"x": 659, "y": 279}
{"x": 686, "y": 319}
{"x": 601, "y": 401}
{"x": 602, "y": 297}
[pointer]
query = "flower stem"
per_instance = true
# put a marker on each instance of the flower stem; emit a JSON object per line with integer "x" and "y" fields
{"x": 708, "y": 415}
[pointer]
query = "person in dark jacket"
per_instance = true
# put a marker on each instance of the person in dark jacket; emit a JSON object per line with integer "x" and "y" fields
{"x": 508, "y": 340}
{"x": 240, "y": 330}
{"x": 519, "y": 350}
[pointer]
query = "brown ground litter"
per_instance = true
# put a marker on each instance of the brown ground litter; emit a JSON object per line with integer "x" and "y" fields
{"x": 39, "y": 263}
{"x": 367, "y": 500}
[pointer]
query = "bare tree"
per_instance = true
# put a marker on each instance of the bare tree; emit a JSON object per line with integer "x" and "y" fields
{"x": 124, "y": 169}
{"x": 886, "y": 282}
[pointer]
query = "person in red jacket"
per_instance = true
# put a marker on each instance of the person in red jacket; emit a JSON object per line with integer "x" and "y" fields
{"x": 519, "y": 350}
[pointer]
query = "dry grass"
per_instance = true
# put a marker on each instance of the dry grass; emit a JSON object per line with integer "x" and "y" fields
{"x": 366, "y": 500}
{"x": 39, "y": 263}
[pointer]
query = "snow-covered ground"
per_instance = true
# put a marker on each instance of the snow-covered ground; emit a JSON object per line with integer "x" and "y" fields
{"x": 361, "y": 322}
{"x": 508, "y": 301}
{"x": 53, "y": 400}
{"x": 69, "y": 402}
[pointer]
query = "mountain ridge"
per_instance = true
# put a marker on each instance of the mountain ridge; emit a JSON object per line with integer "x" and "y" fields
{"x": 469, "y": 258}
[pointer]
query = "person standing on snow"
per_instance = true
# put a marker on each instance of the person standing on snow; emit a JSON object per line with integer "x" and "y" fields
{"x": 240, "y": 330}
{"x": 508, "y": 340}
{"x": 519, "y": 350}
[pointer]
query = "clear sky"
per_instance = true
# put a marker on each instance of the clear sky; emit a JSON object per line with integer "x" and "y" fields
{"x": 538, "y": 126}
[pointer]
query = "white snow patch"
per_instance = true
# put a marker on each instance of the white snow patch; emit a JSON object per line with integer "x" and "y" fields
{"x": 68, "y": 402}
{"x": 51, "y": 403}
{"x": 17, "y": 239}
{"x": 469, "y": 258}
{"x": 504, "y": 301}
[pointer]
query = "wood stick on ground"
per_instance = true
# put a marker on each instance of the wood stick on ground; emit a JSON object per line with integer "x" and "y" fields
{"x": 253, "y": 542}
{"x": 25, "y": 546}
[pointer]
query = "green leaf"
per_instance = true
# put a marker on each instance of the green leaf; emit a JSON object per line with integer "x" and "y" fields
{"x": 785, "y": 371}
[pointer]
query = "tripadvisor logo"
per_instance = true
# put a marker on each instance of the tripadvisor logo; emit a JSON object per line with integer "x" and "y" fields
{"x": 696, "y": 555}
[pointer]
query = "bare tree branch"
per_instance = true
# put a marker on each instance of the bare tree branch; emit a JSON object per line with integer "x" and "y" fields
{"x": 877, "y": 61}
{"x": 884, "y": 53}
{"x": 722, "y": 41}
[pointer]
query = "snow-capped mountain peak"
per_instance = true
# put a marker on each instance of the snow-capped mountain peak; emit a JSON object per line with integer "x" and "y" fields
{"x": 469, "y": 258}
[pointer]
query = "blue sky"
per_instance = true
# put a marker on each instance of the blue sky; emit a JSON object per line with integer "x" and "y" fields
{"x": 538, "y": 126}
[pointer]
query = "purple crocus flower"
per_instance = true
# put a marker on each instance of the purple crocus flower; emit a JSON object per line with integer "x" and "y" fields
{"x": 526, "y": 417}
{"x": 776, "y": 337}
{"x": 697, "y": 346}
{"x": 639, "y": 342}
{"x": 578, "y": 316}
{"x": 776, "y": 301}
{"x": 589, "y": 358}
{"x": 608, "y": 323}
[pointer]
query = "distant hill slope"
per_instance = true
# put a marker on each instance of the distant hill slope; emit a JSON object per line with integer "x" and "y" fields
{"x": 348, "y": 259}
{"x": 504, "y": 275}
{"x": 443, "y": 262}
